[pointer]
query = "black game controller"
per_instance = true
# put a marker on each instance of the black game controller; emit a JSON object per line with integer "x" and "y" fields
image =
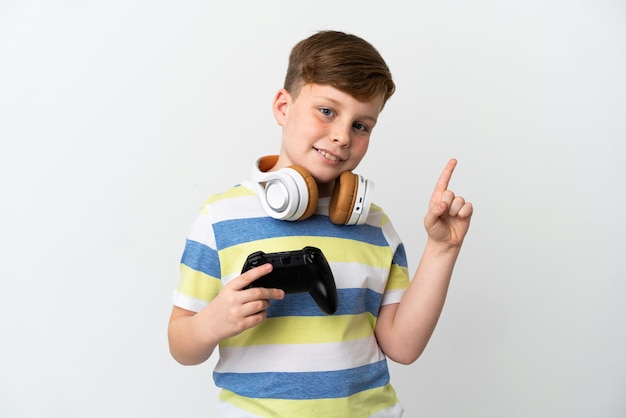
{"x": 298, "y": 271}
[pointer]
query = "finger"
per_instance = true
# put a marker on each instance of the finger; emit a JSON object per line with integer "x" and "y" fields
{"x": 255, "y": 306}
{"x": 258, "y": 293}
{"x": 262, "y": 293}
{"x": 239, "y": 283}
{"x": 438, "y": 209}
{"x": 466, "y": 211}
{"x": 444, "y": 178}
{"x": 447, "y": 197}
{"x": 456, "y": 206}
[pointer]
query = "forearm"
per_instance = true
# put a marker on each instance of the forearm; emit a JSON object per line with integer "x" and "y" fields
{"x": 187, "y": 344}
{"x": 194, "y": 336}
{"x": 404, "y": 334}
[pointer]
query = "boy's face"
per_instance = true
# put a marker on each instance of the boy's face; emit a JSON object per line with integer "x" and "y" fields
{"x": 325, "y": 130}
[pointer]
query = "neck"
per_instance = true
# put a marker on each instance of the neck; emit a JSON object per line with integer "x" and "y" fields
{"x": 325, "y": 189}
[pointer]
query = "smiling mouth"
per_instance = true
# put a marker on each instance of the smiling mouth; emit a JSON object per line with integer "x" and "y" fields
{"x": 327, "y": 155}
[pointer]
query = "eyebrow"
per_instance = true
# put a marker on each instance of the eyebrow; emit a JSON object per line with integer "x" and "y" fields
{"x": 366, "y": 118}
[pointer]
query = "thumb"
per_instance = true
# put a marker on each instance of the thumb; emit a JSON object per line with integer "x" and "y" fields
{"x": 436, "y": 211}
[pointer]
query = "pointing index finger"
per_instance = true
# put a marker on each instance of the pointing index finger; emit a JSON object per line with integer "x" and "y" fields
{"x": 446, "y": 175}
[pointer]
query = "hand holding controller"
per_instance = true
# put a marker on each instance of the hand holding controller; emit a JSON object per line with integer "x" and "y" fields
{"x": 298, "y": 271}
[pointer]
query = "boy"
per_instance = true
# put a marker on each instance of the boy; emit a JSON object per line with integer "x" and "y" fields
{"x": 280, "y": 355}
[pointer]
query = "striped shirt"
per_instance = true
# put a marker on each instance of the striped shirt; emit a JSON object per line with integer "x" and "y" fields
{"x": 300, "y": 361}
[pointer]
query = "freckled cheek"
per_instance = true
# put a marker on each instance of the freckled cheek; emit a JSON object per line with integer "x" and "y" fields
{"x": 312, "y": 123}
{"x": 360, "y": 146}
{"x": 312, "y": 129}
{"x": 305, "y": 127}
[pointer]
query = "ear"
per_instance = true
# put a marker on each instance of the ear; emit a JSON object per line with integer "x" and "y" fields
{"x": 280, "y": 105}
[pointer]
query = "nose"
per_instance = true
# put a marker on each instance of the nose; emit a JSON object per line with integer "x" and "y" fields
{"x": 341, "y": 134}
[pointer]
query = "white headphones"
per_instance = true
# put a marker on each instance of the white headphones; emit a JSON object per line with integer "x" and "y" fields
{"x": 291, "y": 193}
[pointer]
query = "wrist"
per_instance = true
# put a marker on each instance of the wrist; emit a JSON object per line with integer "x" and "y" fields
{"x": 205, "y": 334}
{"x": 442, "y": 248}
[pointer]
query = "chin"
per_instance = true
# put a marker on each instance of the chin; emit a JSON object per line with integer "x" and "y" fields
{"x": 324, "y": 179}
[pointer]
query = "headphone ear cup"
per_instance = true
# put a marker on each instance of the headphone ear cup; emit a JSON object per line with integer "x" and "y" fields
{"x": 313, "y": 194}
{"x": 344, "y": 196}
{"x": 289, "y": 193}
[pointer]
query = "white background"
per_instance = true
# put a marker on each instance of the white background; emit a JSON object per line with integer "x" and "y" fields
{"x": 117, "y": 120}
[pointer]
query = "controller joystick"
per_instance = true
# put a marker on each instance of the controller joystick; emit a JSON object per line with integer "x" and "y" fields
{"x": 299, "y": 271}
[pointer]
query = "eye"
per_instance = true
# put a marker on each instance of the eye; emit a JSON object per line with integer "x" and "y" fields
{"x": 326, "y": 111}
{"x": 360, "y": 127}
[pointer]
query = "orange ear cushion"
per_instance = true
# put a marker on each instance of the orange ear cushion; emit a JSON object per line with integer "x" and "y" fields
{"x": 344, "y": 195}
{"x": 266, "y": 163}
{"x": 311, "y": 185}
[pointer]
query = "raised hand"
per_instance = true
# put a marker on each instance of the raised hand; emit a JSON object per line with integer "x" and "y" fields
{"x": 448, "y": 217}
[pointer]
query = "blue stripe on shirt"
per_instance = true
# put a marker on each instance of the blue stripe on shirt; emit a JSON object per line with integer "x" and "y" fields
{"x": 351, "y": 302}
{"x": 202, "y": 258}
{"x": 399, "y": 257}
{"x": 305, "y": 385}
{"x": 238, "y": 231}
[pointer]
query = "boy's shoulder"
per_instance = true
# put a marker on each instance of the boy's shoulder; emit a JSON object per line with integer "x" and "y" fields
{"x": 242, "y": 189}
